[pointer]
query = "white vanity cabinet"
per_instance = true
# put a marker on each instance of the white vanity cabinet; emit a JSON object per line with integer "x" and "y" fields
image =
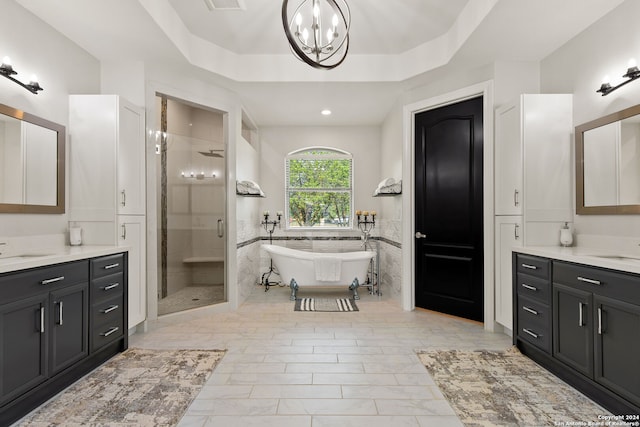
{"x": 132, "y": 231}
{"x": 107, "y": 182}
{"x": 508, "y": 229}
{"x": 533, "y": 167}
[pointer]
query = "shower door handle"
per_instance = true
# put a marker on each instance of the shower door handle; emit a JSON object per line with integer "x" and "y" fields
{"x": 220, "y": 228}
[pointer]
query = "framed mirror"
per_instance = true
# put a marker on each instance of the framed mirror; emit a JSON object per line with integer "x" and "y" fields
{"x": 32, "y": 169}
{"x": 608, "y": 164}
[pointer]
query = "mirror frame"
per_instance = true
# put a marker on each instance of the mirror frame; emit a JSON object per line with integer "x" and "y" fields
{"x": 581, "y": 209}
{"x": 59, "y": 207}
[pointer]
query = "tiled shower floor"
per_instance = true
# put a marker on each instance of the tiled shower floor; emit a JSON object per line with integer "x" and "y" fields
{"x": 191, "y": 297}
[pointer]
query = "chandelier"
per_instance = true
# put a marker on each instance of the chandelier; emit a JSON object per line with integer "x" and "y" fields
{"x": 318, "y": 31}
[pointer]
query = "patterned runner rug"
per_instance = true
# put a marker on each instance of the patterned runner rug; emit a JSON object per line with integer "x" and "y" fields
{"x": 325, "y": 304}
{"x": 495, "y": 388}
{"x": 135, "y": 388}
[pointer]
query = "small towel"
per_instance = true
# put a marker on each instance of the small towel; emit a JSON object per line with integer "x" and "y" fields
{"x": 248, "y": 187}
{"x": 395, "y": 188}
{"x": 386, "y": 182}
{"x": 328, "y": 269}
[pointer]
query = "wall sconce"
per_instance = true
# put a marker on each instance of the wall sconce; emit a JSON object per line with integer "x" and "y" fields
{"x": 6, "y": 69}
{"x": 199, "y": 176}
{"x": 632, "y": 74}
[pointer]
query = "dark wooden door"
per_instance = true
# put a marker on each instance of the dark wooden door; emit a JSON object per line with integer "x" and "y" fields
{"x": 449, "y": 210}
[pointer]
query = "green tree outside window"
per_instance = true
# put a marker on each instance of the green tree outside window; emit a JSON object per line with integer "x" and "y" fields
{"x": 319, "y": 188}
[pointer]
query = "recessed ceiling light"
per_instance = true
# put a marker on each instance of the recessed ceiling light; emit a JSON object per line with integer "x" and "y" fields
{"x": 325, "y": 112}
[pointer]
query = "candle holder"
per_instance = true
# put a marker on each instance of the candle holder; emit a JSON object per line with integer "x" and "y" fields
{"x": 366, "y": 223}
{"x": 270, "y": 227}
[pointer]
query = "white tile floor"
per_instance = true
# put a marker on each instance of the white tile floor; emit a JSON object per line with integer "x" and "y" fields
{"x": 286, "y": 368}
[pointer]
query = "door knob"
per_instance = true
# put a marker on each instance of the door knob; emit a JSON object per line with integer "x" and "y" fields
{"x": 419, "y": 235}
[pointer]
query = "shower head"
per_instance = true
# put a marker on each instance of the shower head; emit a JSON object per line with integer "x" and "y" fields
{"x": 211, "y": 153}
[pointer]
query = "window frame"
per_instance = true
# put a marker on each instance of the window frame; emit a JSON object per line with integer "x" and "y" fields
{"x": 334, "y": 154}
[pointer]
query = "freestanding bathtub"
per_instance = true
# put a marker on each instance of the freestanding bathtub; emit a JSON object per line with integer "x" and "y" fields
{"x": 302, "y": 268}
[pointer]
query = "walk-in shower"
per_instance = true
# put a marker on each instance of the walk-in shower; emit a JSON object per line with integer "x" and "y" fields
{"x": 191, "y": 207}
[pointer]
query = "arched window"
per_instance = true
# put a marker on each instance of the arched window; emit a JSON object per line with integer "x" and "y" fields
{"x": 319, "y": 188}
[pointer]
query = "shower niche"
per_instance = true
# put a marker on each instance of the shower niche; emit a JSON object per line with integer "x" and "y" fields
{"x": 192, "y": 206}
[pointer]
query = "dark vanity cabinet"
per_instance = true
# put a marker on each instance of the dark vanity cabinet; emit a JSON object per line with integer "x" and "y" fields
{"x": 47, "y": 330}
{"x": 108, "y": 316}
{"x": 594, "y": 330}
{"x": 533, "y": 301}
{"x": 597, "y": 325}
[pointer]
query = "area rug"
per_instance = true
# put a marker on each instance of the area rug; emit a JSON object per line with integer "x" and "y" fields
{"x": 325, "y": 304}
{"x": 505, "y": 388}
{"x": 135, "y": 388}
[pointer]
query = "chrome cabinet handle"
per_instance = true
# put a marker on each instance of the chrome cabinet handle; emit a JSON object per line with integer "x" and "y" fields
{"x": 124, "y": 198}
{"x": 580, "y": 314}
{"x": 533, "y": 334}
{"x": 599, "y": 321}
{"x": 529, "y": 266}
{"x": 516, "y": 235}
{"x": 110, "y": 309}
{"x": 220, "y": 228}
{"x": 110, "y": 331}
{"x": 55, "y": 279}
{"x": 591, "y": 281}
{"x": 531, "y": 288}
{"x": 516, "y": 200}
{"x": 419, "y": 235}
{"x": 111, "y": 286}
{"x": 124, "y": 231}
{"x": 42, "y": 319}
{"x": 110, "y": 266}
{"x": 60, "y": 308}
{"x": 530, "y": 310}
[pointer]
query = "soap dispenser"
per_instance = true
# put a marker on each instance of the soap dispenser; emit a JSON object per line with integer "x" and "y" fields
{"x": 566, "y": 238}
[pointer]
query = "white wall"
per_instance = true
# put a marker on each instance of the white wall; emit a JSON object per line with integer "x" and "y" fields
{"x": 62, "y": 68}
{"x": 363, "y": 142}
{"x": 578, "y": 67}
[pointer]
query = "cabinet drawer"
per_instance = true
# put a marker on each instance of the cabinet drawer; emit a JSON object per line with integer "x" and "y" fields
{"x": 533, "y": 265}
{"x": 106, "y": 265}
{"x": 107, "y": 333}
{"x": 533, "y": 287}
{"x": 106, "y": 312}
{"x": 534, "y": 331}
{"x": 609, "y": 283}
{"x": 532, "y": 311}
{"x": 107, "y": 287}
{"x": 22, "y": 284}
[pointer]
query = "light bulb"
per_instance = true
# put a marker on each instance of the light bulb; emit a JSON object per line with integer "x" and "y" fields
{"x": 329, "y": 36}
{"x": 606, "y": 79}
{"x": 6, "y": 61}
{"x": 298, "y": 19}
{"x": 632, "y": 63}
{"x": 305, "y": 35}
{"x": 316, "y": 10}
{"x": 34, "y": 79}
{"x": 334, "y": 20}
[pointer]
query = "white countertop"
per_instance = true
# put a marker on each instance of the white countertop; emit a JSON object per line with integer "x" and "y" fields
{"x": 622, "y": 259}
{"x": 55, "y": 255}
